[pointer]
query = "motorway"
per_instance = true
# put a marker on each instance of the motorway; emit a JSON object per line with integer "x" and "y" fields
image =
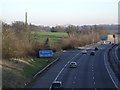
{"x": 90, "y": 73}
{"x": 118, "y": 52}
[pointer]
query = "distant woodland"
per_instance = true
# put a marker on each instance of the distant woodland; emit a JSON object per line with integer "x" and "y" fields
{"x": 18, "y": 40}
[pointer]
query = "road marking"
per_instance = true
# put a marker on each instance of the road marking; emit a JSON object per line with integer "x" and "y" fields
{"x": 92, "y": 70}
{"x": 64, "y": 67}
{"x": 95, "y": 89}
{"x": 109, "y": 72}
{"x": 94, "y": 82}
{"x": 93, "y": 77}
{"x": 73, "y": 82}
{"x": 75, "y": 77}
{"x": 44, "y": 68}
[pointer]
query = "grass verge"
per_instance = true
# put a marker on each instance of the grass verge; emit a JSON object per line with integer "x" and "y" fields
{"x": 16, "y": 73}
{"x": 34, "y": 66}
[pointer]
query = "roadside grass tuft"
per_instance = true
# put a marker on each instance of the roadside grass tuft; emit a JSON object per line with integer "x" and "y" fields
{"x": 31, "y": 69}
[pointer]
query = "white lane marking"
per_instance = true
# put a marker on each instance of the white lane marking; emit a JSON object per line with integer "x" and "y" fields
{"x": 109, "y": 72}
{"x": 75, "y": 77}
{"x": 73, "y": 82}
{"x": 50, "y": 87}
{"x": 64, "y": 67}
{"x": 92, "y": 70}
{"x": 92, "y": 67}
{"x": 94, "y": 83}
{"x": 60, "y": 72}
{"x": 93, "y": 77}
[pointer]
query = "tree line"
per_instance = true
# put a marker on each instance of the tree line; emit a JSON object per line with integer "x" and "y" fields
{"x": 17, "y": 40}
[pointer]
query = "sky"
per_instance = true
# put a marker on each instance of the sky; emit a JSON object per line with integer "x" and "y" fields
{"x": 60, "y": 12}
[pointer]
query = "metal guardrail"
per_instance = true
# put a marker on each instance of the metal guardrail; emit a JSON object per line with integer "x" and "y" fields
{"x": 45, "y": 68}
{"x": 41, "y": 71}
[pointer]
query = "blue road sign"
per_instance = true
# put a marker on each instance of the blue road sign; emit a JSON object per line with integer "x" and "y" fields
{"x": 104, "y": 38}
{"x": 46, "y": 53}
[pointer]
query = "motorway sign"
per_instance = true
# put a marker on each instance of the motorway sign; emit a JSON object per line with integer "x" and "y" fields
{"x": 45, "y": 53}
{"x": 104, "y": 38}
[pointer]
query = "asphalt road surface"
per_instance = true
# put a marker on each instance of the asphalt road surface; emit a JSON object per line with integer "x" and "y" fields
{"x": 90, "y": 73}
{"x": 118, "y": 52}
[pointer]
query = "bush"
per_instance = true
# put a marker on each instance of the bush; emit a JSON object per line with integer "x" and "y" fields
{"x": 67, "y": 44}
{"x": 14, "y": 45}
{"x": 8, "y": 44}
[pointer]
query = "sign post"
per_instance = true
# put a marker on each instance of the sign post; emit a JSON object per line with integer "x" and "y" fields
{"x": 114, "y": 38}
{"x": 45, "y": 53}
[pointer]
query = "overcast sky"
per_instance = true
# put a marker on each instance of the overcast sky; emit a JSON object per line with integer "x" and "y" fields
{"x": 60, "y": 12}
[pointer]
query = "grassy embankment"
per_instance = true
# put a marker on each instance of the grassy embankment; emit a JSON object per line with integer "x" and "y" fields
{"x": 17, "y": 71}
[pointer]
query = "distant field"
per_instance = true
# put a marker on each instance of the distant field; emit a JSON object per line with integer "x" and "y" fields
{"x": 56, "y": 37}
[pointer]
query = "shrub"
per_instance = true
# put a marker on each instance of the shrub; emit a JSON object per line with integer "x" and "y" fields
{"x": 8, "y": 44}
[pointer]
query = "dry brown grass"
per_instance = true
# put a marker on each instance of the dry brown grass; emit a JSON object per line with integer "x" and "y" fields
{"x": 12, "y": 74}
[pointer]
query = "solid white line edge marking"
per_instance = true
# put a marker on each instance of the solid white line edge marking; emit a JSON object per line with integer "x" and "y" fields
{"x": 116, "y": 54}
{"x": 109, "y": 72}
{"x": 65, "y": 66}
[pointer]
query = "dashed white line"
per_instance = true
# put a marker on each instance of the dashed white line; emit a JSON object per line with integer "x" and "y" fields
{"x": 64, "y": 67}
{"x": 73, "y": 82}
{"x": 75, "y": 77}
{"x": 93, "y": 77}
{"x": 94, "y": 83}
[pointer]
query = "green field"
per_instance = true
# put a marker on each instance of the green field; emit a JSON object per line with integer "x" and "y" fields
{"x": 56, "y": 37}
